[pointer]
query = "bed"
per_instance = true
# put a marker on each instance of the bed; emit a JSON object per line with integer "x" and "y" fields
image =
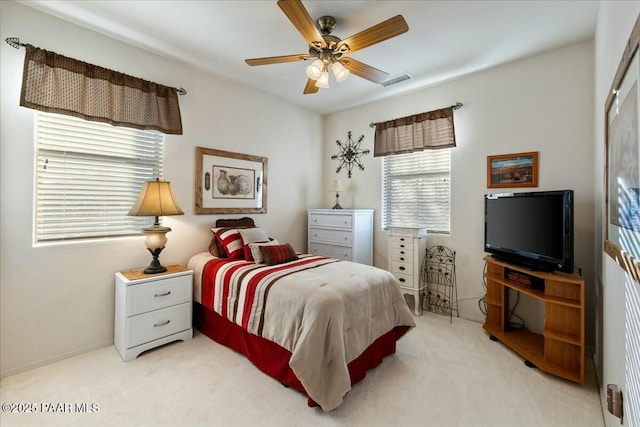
{"x": 315, "y": 324}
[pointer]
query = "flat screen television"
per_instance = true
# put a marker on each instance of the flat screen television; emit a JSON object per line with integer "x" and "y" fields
{"x": 533, "y": 230}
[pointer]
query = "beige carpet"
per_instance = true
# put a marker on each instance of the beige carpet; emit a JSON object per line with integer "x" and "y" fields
{"x": 442, "y": 375}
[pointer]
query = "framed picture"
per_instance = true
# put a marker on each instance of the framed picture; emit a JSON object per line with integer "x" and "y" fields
{"x": 622, "y": 185}
{"x": 229, "y": 182}
{"x": 512, "y": 170}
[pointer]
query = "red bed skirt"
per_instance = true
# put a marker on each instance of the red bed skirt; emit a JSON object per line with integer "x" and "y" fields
{"x": 273, "y": 360}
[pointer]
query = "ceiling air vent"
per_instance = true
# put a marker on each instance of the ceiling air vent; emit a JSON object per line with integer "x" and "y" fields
{"x": 396, "y": 79}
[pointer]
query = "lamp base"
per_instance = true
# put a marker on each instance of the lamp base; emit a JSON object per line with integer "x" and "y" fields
{"x": 155, "y": 267}
{"x": 337, "y": 205}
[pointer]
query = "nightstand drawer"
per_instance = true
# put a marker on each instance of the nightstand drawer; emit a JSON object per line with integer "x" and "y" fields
{"x": 402, "y": 267}
{"x": 149, "y": 296}
{"x": 333, "y": 220}
{"x": 330, "y": 251}
{"x": 147, "y": 327}
{"x": 333, "y": 236}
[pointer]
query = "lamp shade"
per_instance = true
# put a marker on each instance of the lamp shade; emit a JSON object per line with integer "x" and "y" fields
{"x": 315, "y": 69}
{"x": 156, "y": 199}
{"x": 339, "y": 72}
{"x": 323, "y": 81}
{"x": 336, "y": 186}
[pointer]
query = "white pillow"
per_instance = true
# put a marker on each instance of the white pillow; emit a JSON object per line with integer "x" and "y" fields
{"x": 253, "y": 235}
{"x": 255, "y": 250}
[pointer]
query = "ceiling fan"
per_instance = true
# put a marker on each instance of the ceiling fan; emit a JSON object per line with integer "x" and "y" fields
{"x": 327, "y": 51}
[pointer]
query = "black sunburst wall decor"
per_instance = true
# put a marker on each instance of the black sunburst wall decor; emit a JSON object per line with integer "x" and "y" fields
{"x": 350, "y": 153}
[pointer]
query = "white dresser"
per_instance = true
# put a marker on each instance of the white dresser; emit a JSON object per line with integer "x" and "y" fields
{"x": 342, "y": 233}
{"x": 407, "y": 248}
{"x": 152, "y": 309}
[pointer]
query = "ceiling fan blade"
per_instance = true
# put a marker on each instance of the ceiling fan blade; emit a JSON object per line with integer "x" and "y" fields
{"x": 378, "y": 33}
{"x": 363, "y": 70}
{"x": 300, "y": 18}
{"x": 310, "y": 87}
{"x": 277, "y": 59}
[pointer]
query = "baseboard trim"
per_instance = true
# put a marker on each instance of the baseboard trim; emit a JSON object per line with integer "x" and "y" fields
{"x": 55, "y": 359}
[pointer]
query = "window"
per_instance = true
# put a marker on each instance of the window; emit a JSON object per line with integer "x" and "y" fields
{"x": 416, "y": 190}
{"x": 88, "y": 176}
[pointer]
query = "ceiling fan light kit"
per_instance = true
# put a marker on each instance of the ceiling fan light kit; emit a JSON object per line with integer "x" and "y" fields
{"x": 327, "y": 50}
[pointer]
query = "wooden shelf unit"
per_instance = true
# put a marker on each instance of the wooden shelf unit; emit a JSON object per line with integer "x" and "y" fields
{"x": 559, "y": 350}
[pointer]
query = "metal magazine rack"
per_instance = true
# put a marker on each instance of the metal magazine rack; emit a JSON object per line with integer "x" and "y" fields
{"x": 439, "y": 278}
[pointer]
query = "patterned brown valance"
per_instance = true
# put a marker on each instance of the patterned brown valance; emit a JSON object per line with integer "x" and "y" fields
{"x": 430, "y": 130}
{"x": 57, "y": 84}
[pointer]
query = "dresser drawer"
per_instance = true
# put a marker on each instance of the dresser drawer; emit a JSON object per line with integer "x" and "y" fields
{"x": 157, "y": 294}
{"x": 402, "y": 267}
{"x": 333, "y": 220}
{"x": 344, "y": 237}
{"x": 401, "y": 243}
{"x": 147, "y": 327}
{"x": 331, "y": 251}
{"x": 401, "y": 255}
{"x": 407, "y": 280}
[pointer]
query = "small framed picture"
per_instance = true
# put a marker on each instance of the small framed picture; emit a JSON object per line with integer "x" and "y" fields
{"x": 512, "y": 170}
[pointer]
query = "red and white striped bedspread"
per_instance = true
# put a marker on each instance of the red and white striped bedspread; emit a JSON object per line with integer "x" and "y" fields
{"x": 324, "y": 311}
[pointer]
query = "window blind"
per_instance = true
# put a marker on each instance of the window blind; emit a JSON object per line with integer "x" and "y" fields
{"x": 416, "y": 190}
{"x": 88, "y": 176}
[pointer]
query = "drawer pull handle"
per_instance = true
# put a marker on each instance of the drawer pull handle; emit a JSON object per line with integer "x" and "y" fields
{"x": 346, "y": 238}
{"x": 402, "y": 239}
{"x": 345, "y": 223}
{"x": 166, "y": 322}
{"x": 315, "y": 234}
{"x": 162, "y": 295}
{"x": 401, "y": 268}
{"x": 402, "y": 246}
{"x": 401, "y": 259}
{"x": 402, "y": 279}
{"x": 402, "y": 252}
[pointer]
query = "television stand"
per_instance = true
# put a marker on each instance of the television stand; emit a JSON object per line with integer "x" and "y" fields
{"x": 559, "y": 350}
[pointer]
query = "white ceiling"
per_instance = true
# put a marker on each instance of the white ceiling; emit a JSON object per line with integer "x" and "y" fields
{"x": 446, "y": 39}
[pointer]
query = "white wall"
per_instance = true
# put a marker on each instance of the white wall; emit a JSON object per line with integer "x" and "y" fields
{"x": 542, "y": 103}
{"x": 615, "y": 22}
{"x": 56, "y": 301}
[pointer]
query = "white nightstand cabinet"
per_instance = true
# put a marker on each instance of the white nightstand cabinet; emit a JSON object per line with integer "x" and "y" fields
{"x": 342, "y": 233}
{"x": 407, "y": 248}
{"x": 152, "y": 309}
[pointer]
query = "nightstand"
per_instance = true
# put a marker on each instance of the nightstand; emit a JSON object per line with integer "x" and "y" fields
{"x": 152, "y": 309}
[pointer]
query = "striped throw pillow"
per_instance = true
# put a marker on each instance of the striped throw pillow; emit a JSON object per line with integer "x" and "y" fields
{"x": 230, "y": 240}
{"x": 278, "y": 254}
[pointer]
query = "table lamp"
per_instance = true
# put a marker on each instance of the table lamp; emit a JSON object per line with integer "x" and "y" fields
{"x": 155, "y": 199}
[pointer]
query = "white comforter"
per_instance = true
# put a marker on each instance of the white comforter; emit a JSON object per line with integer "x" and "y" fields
{"x": 326, "y": 316}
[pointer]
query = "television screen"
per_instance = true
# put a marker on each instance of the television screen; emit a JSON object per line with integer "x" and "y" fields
{"x": 532, "y": 229}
